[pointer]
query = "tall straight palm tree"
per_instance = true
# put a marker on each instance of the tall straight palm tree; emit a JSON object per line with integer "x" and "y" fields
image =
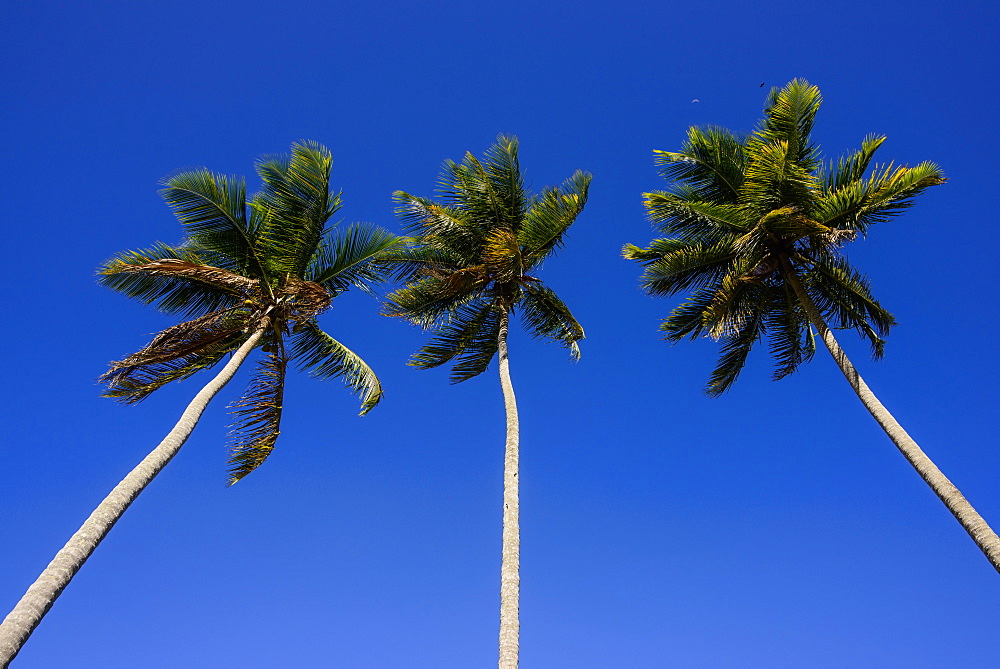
{"x": 250, "y": 274}
{"x": 755, "y": 225}
{"x": 470, "y": 268}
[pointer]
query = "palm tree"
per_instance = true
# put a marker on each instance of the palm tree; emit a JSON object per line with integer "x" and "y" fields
{"x": 249, "y": 274}
{"x": 470, "y": 268}
{"x": 755, "y": 226}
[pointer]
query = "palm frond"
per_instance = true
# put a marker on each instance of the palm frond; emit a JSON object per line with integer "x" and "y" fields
{"x": 673, "y": 265}
{"x": 325, "y": 358}
{"x": 675, "y": 214}
{"x": 546, "y": 317}
{"x": 470, "y": 336}
{"x": 889, "y": 191}
{"x": 711, "y": 161}
{"x": 688, "y": 318}
{"x": 728, "y": 312}
{"x": 449, "y": 229}
{"x": 503, "y": 173}
{"x": 170, "y": 293}
{"x": 791, "y": 342}
{"x": 295, "y": 203}
{"x": 358, "y": 256}
{"x": 789, "y": 117}
{"x": 851, "y": 168}
{"x": 549, "y": 217}
{"x": 501, "y": 256}
{"x": 212, "y": 209}
{"x": 175, "y": 353}
{"x": 775, "y": 179}
{"x": 843, "y": 295}
{"x": 439, "y": 295}
{"x": 258, "y": 415}
{"x": 736, "y": 346}
{"x": 413, "y": 260}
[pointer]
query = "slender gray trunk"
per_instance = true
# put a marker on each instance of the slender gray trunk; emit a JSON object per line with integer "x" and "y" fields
{"x": 510, "y": 567}
{"x": 24, "y": 618}
{"x": 974, "y": 524}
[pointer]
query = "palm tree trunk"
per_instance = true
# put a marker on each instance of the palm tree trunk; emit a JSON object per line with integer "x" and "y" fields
{"x": 974, "y": 524}
{"x": 510, "y": 567}
{"x": 28, "y": 613}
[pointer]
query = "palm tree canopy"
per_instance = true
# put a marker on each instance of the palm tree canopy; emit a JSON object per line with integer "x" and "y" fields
{"x": 745, "y": 215}
{"x": 270, "y": 262}
{"x": 473, "y": 258}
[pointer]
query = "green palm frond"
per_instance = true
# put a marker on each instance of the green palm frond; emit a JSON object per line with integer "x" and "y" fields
{"x": 852, "y": 168}
{"x": 791, "y": 340}
{"x": 325, "y": 358}
{"x": 789, "y": 117}
{"x": 727, "y": 312}
{"x": 844, "y": 297}
{"x": 889, "y": 191}
{"x": 693, "y": 219}
{"x": 358, "y": 256}
{"x": 412, "y": 260}
{"x": 171, "y": 293}
{"x": 687, "y": 320}
{"x": 711, "y": 161}
{"x": 490, "y": 191}
{"x": 545, "y": 316}
{"x": 295, "y": 203}
{"x": 549, "y": 217}
{"x": 503, "y": 174}
{"x": 212, "y": 209}
{"x": 673, "y": 265}
{"x": 735, "y": 347}
{"x": 258, "y": 415}
{"x": 774, "y": 179}
{"x": 469, "y": 336}
{"x": 448, "y": 229}
{"x": 428, "y": 300}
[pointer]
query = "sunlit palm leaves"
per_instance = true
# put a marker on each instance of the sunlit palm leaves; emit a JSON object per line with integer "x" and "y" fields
{"x": 744, "y": 214}
{"x": 468, "y": 265}
{"x": 267, "y": 264}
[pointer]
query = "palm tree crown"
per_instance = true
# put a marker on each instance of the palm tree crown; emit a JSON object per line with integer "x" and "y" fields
{"x": 268, "y": 263}
{"x": 747, "y": 218}
{"x": 474, "y": 257}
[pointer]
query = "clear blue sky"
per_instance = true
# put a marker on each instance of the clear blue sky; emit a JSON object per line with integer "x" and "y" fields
{"x": 774, "y": 527}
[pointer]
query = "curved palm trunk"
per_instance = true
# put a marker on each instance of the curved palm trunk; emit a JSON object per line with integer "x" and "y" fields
{"x": 974, "y": 524}
{"x": 24, "y": 618}
{"x": 510, "y": 567}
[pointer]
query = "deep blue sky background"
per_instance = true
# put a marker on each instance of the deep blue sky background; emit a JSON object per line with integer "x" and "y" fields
{"x": 774, "y": 527}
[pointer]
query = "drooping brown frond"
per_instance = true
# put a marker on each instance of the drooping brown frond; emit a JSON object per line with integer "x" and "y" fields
{"x": 308, "y": 299}
{"x": 174, "y": 353}
{"x": 213, "y": 276}
{"x": 139, "y": 382}
{"x": 258, "y": 416}
{"x": 178, "y": 341}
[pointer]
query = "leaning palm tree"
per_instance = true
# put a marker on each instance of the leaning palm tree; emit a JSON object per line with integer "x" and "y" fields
{"x": 756, "y": 226}
{"x": 472, "y": 265}
{"x": 250, "y": 274}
